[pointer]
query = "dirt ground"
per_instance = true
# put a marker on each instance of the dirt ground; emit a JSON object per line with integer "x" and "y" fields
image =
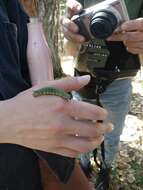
{"x": 127, "y": 173}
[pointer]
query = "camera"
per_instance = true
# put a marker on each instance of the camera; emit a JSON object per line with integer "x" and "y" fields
{"x": 102, "y": 19}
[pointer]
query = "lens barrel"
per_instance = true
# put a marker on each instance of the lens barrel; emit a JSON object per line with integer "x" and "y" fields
{"x": 103, "y": 24}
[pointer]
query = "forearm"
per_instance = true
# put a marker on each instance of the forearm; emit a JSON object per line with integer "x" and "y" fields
{"x": 38, "y": 54}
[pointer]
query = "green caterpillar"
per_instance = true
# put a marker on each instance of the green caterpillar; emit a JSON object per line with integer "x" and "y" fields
{"x": 52, "y": 91}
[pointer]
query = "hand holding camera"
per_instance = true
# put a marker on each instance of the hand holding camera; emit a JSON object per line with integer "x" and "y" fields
{"x": 70, "y": 29}
{"x": 98, "y": 21}
{"x": 131, "y": 32}
{"x": 102, "y": 19}
{"x": 131, "y": 35}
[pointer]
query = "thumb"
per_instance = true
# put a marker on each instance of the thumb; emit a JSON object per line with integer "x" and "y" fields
{"x": 68, "y": 84}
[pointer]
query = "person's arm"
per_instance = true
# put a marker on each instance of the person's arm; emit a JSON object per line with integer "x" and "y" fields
{"x": 38, "y": 53}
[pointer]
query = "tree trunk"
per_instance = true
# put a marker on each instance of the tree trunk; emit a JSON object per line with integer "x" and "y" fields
{"x": 48, "y": 11}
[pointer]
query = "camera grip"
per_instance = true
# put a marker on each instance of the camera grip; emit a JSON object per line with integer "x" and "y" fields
{"x": 82, "y": 29}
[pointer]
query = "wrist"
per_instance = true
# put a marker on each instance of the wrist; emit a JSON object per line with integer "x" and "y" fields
{"x": 71, "y": 48}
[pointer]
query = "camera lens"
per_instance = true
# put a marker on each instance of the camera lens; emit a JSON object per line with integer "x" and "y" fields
{"x": 103, "y": 24}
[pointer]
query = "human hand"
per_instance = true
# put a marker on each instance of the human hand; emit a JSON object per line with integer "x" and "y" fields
{"x": 131, "y": 33}
{"x": 70, "y": 29}
{"x": 48, "y": 122}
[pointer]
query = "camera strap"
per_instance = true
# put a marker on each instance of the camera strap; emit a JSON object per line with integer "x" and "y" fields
{"x": 96, "y": 87}
{"x": 100, "y": 88}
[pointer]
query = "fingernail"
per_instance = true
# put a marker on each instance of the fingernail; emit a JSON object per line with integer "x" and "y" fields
{"x": 79, "y": 7}
{"x": 84, "y": 79}
{"x": 110, "y": 127}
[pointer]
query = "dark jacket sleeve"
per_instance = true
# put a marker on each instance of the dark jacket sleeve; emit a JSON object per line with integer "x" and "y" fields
{"x": 14, "y": 75}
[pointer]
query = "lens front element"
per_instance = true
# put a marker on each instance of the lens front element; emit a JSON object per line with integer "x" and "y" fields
{"x": 103, "y": 24}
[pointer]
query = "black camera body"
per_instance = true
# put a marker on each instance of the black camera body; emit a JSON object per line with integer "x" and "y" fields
{"x": 102, "y": 19}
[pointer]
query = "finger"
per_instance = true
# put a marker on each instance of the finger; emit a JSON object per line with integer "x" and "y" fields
{"x": 116, "y": 37}
{"x": 138, "y": 45}
{"x": 73, "y": 37}
{"x": 80, "y": 144}
{"x": 68, "y": 84}
{"x": 66, "y": 152}
{"x": 58, "y": 150}
{"x": 134, "y": 50}
{"x": 133, "y": 25}
{"x": 70, "y": 126}
{"x": 85, "y": 110}
{"x": 69, "y": 26}
{"x": 133, "y": 36}
{"x": 88, "y": 128}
